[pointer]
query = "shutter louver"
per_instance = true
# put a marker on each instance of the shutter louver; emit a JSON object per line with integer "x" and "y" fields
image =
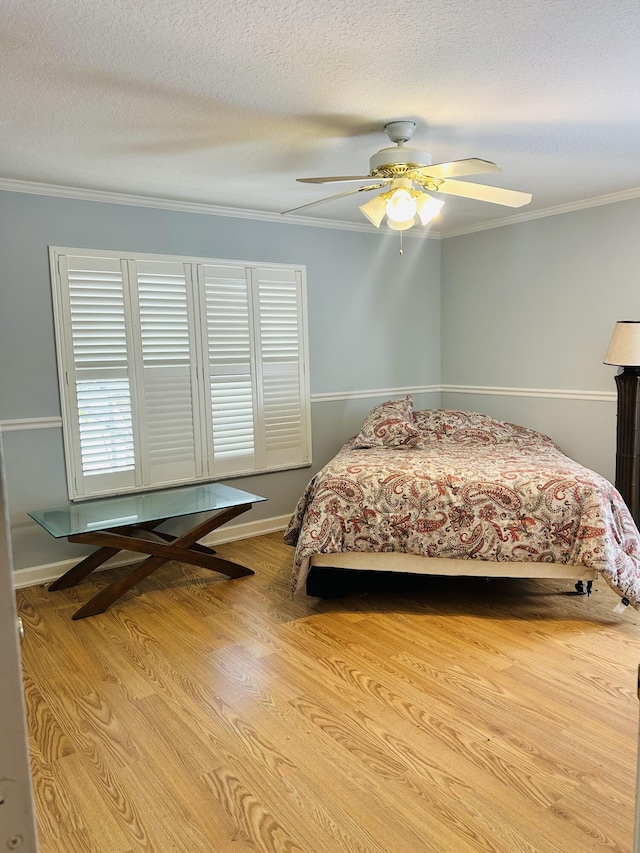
{"x": 166, "y": 371}
{"x": 101, "y": 370}
{"x": 231, "y": 381}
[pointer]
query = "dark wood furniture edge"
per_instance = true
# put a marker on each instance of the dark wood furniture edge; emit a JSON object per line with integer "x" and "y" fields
{"x": 628, "y": 439}
{"x": 86, "y": 566}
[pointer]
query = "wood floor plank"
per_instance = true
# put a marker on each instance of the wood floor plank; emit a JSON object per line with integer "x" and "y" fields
{"x": 56, "y": 813}
{"x": 47, "y": 731}
{"x": 98, "y": 800}
{"x": 173, "y": 821}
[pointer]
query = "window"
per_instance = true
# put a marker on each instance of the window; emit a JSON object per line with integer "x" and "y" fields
{"x": 174, "y": 370}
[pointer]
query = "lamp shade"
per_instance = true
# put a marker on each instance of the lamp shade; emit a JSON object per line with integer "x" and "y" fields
{"x": 375, "y": 209}
{"x": 401, "y": 226}
{"x": 428, "y": 207}
{"x": 624, "y": 346}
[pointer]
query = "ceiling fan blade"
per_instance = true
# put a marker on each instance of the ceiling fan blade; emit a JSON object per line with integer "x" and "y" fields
{"x": 367, "y": 189}
{"x": 480, "y": 192}
{"x": 458, "y": 168}
{"x": 334, "y": 180}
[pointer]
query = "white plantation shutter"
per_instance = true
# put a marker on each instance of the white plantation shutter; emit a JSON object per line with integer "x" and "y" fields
{"x": 174, "y": 370}
{"x": 98, "y": 374}
{"x": 229, "y": 364}
{"x": 283, "y": 379}
{"x": 167, "y": 355}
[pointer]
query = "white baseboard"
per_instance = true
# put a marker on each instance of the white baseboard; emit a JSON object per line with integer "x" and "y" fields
{"x": 35, "y": 575}
{"x": 247, "y": 530}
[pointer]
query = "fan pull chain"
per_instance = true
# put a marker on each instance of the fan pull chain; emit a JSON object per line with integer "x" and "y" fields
{"x": 401, "y": 250}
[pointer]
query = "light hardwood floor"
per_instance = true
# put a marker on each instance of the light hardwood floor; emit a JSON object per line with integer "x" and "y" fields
{"x": 203, "y": 714}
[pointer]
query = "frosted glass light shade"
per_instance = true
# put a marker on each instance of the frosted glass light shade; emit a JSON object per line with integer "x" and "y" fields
{"x": 624, "y": 346}
{"x": 401, "y": 226}
{"x": 428, "y": 207}
{"x": 375, "y": 210}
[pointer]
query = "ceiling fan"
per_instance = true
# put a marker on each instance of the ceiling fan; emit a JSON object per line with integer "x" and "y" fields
{"x": 405, "y": 173}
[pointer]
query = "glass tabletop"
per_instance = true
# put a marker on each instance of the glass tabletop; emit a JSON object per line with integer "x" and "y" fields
{"x": 138, "y": 508}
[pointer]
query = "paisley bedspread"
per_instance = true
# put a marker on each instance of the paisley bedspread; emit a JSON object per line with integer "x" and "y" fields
{"x": 463, "y": 485}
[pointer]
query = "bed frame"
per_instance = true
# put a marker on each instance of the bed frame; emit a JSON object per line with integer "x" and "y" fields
{"x": 394, "y": 561}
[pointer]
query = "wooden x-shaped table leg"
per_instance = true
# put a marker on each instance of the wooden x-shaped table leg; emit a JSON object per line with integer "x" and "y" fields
{"x": 183, "y": 548}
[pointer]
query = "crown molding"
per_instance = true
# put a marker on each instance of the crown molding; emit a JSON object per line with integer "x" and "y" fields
{"x": 108, "y": 197}
{"x": 571, "y": 207}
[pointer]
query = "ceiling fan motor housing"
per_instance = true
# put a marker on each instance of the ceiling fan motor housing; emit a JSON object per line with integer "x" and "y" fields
{"x": 391, "y": 162}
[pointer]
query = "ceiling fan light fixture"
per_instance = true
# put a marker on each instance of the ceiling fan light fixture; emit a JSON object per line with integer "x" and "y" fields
{"x": 375, "y": 209}
{"x": 428, "y": 207}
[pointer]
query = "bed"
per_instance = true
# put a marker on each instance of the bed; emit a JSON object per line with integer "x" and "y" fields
{"x": 453, "y": 492}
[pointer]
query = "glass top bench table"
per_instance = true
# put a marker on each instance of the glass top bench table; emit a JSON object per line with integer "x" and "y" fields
{"x": 112, "y": 525}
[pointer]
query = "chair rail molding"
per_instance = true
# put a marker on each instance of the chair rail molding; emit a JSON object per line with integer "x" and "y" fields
{"x": 549, "y": 393}
{"x": 332, "y": 396}
{"x": 23, "y": 424}
{"x": 15, "y": 424}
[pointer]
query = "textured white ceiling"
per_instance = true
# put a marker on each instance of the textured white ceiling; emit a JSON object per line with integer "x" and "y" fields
{"x": 228, "y": 101}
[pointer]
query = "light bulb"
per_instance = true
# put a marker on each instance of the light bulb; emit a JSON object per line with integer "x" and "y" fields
{"x": 401, "y": 206}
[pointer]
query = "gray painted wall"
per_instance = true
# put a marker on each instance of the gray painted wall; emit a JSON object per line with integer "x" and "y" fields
{"x": 533, "y": 305}
{"x": 374, "y": 323}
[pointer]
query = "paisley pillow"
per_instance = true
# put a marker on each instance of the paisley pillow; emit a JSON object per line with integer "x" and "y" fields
{"x": 390, "y": 424}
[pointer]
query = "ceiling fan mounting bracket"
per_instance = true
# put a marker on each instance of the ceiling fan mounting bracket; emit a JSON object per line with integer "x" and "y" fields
{"x": 396, "y": 162}
{"x": 400, "y": 131}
